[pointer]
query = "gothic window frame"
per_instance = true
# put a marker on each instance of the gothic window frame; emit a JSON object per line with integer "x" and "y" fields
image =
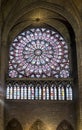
{"x": 22, "y": 93}
{"x": 65, "y": 125}
{"x": 14, "y": 124}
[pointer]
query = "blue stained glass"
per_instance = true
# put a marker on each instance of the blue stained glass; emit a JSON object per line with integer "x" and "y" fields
{"x": 25, "y": 92}
{"x": 69, "y": 92}
{"x": 18, "y": 92}
{"x": 15, "y": 92}
{"x": 36, "y": 92}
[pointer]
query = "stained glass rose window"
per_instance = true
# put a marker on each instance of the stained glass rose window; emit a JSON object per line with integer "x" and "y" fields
{"x": 39, "y": 53}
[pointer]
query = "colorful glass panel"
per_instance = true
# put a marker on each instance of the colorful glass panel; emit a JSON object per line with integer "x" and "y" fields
{"x": 36, "y": 92}
{"x": 15, "y": 92}
{"x": 39, "y": 53}
{"x": 40, "y": 91}
{"x": 8, "y": 92}
{"x": 47, "y": 93}
{"x": 22, "y": 95}
{"x": 25, "y": 92}
{"x": 69, "y": 92}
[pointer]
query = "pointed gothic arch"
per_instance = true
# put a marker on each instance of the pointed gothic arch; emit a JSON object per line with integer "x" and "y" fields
{"x": 64, "y": 125}
{"x": 27, "y": 62}
{"x": 38, "y": 125}
{"x": 14, "y": 124}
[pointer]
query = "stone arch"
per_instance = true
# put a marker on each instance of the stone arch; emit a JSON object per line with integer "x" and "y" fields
{"x": 14, "y": 124}
{"x": 56, "y": 8}
{"x": 64, "y": 125}
{"x": 38, "y": 125}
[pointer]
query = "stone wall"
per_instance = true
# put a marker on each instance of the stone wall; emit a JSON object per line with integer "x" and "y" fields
{"x": 66, "y": 17}
{"x": 51, "y": 113}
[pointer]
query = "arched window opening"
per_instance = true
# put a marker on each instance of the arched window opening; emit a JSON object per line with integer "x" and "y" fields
{"x": 69, "y": 92}
{"x": 43, "y": 54}
{"x": 38, "y": 124}
{"x": 61, "y": 92}
{"x": 14, "y": 125}
{"x": 65, "y": 125}
{"x": 39, "y": 91}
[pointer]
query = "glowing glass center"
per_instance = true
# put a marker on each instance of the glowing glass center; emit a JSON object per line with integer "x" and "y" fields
{"x": 38, "y": 52}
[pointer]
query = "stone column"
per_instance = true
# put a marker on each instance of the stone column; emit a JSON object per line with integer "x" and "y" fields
{"x": 80, "y": 84}
{"x": 79, "y": 100}
{"x": 3, "y": 64}
{"x": 1, "y": 108}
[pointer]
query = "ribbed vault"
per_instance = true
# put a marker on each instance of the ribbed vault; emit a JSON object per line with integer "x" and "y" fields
{"x": 24, "y": 13}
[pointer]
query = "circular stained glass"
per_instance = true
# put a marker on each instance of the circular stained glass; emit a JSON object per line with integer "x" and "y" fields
{"x": 39, "y": 53}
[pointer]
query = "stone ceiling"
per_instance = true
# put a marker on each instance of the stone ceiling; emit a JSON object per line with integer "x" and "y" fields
{"x": 18, "y": 14}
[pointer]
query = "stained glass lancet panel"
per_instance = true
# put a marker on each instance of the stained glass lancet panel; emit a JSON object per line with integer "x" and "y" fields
{"x": 39, "y": 53}
{"x": 22, "y": 94}
{"x": 69, "y": 92}
{"x": 7, "y": 92}
{"x": 39, "y": 91}
{"x": 47, "y": 93}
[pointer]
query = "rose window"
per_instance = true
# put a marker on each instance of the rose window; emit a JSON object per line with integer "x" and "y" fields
{"x": 39, "y": 53}
{"x": 43, "y": 54}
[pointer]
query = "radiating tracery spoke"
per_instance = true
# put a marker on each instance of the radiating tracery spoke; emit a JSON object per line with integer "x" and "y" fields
{"x": 39, "y": 52}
